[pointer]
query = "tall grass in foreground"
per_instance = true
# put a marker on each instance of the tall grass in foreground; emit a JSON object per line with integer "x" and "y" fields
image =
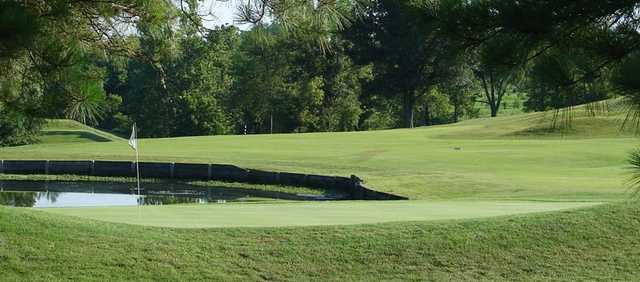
{"x": 634, "y": 181}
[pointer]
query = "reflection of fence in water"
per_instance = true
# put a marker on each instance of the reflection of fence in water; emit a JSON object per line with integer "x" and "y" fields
{"x": 25, "y": 193}
{"x": 217, "y": 172}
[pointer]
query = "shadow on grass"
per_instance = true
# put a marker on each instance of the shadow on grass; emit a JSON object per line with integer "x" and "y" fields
{"x": 81, "y": 135}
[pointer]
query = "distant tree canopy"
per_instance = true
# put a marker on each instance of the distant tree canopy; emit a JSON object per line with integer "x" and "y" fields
{"x": 47, "y": 58}
{"x": 305, "y": 65}
{"x": 567, "y": 49}
{"x": 407, "y": 48}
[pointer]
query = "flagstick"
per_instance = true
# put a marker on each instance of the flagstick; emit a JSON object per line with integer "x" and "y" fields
{"x": 138, "y": 169}
{"x": 138, "y": 177}
{"x": 135, "y": 128}
{"x": 133, "y": 142}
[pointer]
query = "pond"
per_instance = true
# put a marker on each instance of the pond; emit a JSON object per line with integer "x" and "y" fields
{"x": 52, "y": 194}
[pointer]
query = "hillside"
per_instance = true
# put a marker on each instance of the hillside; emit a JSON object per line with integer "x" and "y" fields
{"x": 457, "y": 176}
{"x": 476, "y": 159}
{"x": 597, "y": 120}
{"x": 69, "y": 131}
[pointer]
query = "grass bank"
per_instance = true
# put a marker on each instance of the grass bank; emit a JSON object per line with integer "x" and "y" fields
{"x": 279, "y": 214}
{"x": 587, "y": 244}
{"x": 453, "y": 173}
{"x": 508, "y": 158}
{"x": 70, "y": 131}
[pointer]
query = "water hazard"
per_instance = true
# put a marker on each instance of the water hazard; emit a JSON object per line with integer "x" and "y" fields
{"x": 52, "y": 194}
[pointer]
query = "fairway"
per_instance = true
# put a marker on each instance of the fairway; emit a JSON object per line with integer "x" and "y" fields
{"x": 507, "y": 158}
{"x": 478, "y": 168}
{"x": 308, "y": 214}
{"x": 490, "y": 198}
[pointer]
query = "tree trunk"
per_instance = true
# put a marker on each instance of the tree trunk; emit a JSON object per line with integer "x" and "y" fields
{"x": 494, "y": 110}
{"x": 456, "y": 112}
{"x": 427, "y": 115}
{"x": 408, "y": 104}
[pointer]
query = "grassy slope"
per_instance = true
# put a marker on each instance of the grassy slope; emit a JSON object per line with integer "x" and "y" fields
{"x": 501, "y": 158}
{"x": 509, "y": 158}
{"x": 69, "y": 131}
{"x": 309, "y": 213}
{"x": 589, "y": 244}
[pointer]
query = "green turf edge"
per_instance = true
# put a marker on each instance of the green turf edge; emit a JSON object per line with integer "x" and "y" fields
{"x": 74, "y": 126}
{"x": 597, "y": 243}
{"x": 288, "y": 214}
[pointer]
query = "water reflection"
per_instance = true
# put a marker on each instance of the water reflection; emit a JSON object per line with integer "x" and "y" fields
{"x": 48, "y": 196}
{"x": 18, "y": 199}
{"x": 45, "y": 194}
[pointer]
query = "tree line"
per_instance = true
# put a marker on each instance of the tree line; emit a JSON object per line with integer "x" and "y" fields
{"x": 305, "y": 66}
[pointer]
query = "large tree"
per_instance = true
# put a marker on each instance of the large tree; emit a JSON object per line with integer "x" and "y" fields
{"x": 404, "y": 41}
{"x": 606, "y": 30}
{"x": 47, "y": 43}
{"x": 498, "y": 66}
{"x": 46, "y": 37}
{"x": 288, "y": 83}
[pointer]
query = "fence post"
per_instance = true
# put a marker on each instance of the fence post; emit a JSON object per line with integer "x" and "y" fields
{"x": 46, "y": 167}
{"x": 2, "y": 166}
{"x": 209, "y": 172}
{"x": 93, "y": 167}
{"x": 358, "y": 190}
{"x": 172, "y": 168}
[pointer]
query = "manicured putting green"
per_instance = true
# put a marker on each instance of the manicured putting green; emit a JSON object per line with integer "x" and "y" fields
{"x": 310, "y": 214}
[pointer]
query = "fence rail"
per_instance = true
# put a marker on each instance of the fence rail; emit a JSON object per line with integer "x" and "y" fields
{"x": 189, "y": 171}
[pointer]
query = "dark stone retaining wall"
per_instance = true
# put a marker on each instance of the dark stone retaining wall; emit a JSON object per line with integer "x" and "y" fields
{"x": 229, "y": 173}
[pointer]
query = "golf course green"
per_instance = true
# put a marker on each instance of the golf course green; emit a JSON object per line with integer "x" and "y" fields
{"x": 309, "y": 214}
{"x": 490, "y": 199}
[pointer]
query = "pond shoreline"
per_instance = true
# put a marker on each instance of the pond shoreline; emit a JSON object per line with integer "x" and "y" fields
{"x": 191, "y": 171}
{"x": 45, "y": 194}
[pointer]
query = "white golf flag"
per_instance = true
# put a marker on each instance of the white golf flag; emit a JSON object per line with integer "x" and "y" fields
{"x": 133, "y": 141}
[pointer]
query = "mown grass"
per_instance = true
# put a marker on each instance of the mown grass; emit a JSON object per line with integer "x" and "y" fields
{"x": 509, "y": 158}
{"x": 460, "y": 169}
{"x": 309, "y": 213}
{"x": 588, "y": 244}
{"x": 69, "y": 131}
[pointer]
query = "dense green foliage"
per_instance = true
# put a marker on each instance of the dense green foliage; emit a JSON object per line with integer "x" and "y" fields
{"x": 305, "y": 66}
{"x": 48, "y": 71}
